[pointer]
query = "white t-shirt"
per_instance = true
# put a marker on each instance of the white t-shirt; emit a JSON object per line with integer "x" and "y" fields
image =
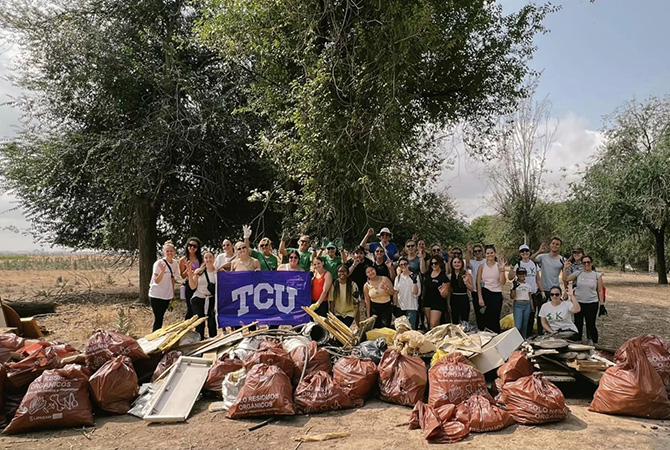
{"x": 407, "y": 301}
{"x": 531, "y": 274}
{"x": 523, "y": 292}
{"x": 222, "y": 259}
{"x": 559, "y": 317}
{"x": 165, "y": 289}
{"x": 474, "y": 266}
{"x": 201, "y": 291}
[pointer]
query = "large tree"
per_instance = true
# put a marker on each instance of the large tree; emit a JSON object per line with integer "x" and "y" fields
{"x": 357, "y": 92}
{"x": 131, "y": 135}
{"x": 626, "y": 191}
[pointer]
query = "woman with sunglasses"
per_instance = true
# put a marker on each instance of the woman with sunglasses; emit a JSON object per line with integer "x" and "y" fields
{"x": 475, "y": 256}
{"x": 490, "y": 279}
{"x": 383, "y": 265}
{"x": 303, "y": 250}
{"x": 223, "y": 260}
{"x": 378, "y": 292}
{"x": 344, "y": 297}
{"x": 436, "y": 291}
{"x": 322, "y": 280}
{"x": 293, "y": 262}
{"x": 408, "y": 287}
{"x": 460, "y": 283}
{"x": 556, "y": 314}
{"x": 589, "y": 293}
{"x": 193, "y": 258}
{"x": 264, "y": 255}
{"x": 161, "y": 288}
{"x": 243, "y": 261}
{"x": 331, "y": 260}
{"x": 203, "y": 281}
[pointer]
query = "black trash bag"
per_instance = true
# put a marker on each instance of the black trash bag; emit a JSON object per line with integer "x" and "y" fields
{"x": 371, "y": 349}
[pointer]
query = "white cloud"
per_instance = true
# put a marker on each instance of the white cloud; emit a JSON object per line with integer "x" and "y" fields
{"x": 573, "y": 148}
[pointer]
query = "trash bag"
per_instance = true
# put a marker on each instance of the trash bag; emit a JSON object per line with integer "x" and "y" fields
{"x": 11, "y": 341}
{"x": 273, "y": 356}
{"x": 216, "y": 374}
{"x": 439, "y": 425}
{"x": 534, "y": 400}
{"x": 507, "y": 322}
{"x": 318, "y": 392}
{"x": 632, "y": 387}
{"x": 371, "y": 349}
{"x": 356, "y": 376}
{"x": 319, "y": 359}
{"x": 58, "y": 398}
{"x": 270, "y": 343}
{"x": 64, "y": 350}
{"x": 247, "y": 346}
{"x": 482, "y": 416}
{"x": 231, "y": 387}
{"x": 103, "y": 345}
{"x": 266, "y": 392}
{"x": 114, "y": 385}
{"x": 3, "y": 378}
{"x": 517, "y": 366}
{"x": 402, "y": 379}
{"x": 20, "y": 374}
{"x": 31, "y": 347}
{"x": 143, "y": 401}
{"x": 190, "y": 338}
{"x": 165, "y": 363}
{"x": 388, "y": 334}
{"x": 453, "y": 380}
{"x": 657, "y": 350}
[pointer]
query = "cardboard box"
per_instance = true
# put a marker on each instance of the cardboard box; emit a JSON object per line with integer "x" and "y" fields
{"x": 497, "y": 350}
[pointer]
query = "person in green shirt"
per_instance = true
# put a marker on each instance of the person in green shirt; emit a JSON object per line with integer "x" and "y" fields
{"x": 330, "y": 260}
{"x": 264, "y": 254}
{"x": 303, "y": 250}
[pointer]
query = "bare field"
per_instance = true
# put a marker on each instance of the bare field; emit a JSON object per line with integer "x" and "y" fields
{"x": 90, "y": 299}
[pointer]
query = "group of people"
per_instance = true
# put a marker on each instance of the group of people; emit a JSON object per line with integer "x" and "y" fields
{"x": 428, "y": 286}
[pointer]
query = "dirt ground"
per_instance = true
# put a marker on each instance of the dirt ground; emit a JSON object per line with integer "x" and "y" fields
{"x": 107, "y": 298}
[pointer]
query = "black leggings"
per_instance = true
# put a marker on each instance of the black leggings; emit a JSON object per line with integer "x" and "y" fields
{"x": 535, "y": 318}
{"x": 198, "y": 305}
{"x": 322, "y": 310}
{"x": 159, "y": 306}
{"x": 189, "y": 308}
{"x": 588, "y": 313}
{"x": 383, "y": 311}
{"x": 460, "y": 308}
{"x": 493, "y": 302}
{"x": 345, "y": 320}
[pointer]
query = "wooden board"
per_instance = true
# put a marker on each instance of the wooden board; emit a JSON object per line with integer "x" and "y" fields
{"x": 30, "y": 328}
{"x": 175, "y": 398}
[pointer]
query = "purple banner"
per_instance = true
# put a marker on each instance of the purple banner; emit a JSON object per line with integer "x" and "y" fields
{"x": 268, "y": 296}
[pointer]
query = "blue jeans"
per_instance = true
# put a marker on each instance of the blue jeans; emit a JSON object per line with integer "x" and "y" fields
{"x": 413, "y": 316}
{"x": 521, "y": 315}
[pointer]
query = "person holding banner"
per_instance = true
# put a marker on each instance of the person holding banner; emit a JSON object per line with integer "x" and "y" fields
{"x": 293, "y": 262}
{"x": 322, "y": 280}
{"x": 243, "y": 262}
{"x": 203, "y": 282}
{"x": 161, "y": 288}
{"x": 344, "y": 297}
{"x": 303, "y": 251}
{"x": 378, "y": 292}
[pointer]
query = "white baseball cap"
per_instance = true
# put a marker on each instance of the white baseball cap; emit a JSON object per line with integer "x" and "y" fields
{"x": 524, "y": 247}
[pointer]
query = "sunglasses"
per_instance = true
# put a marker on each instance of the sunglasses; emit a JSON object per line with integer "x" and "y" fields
{"x": 587, "y": 262}
{"x": 226, "y": 245}
{"x": 379, "y": 251}
{"x": 192, "y": 245}
{"x": 554, "y": 294}
{"x": 479, "y": 250}
{"x": 524, "y": 251}
{"x": 434, "y": 263}
{"x": 575, "y": 251}
{"x": 410, "y": 246}
{"x": 241, "y": 248}
{"x": 458, "y": 254}
{"x": 403, "y": 264}
{"x": 436, "y": 250}
{"x": 264, "y": 245}
{"x": 293, "y": 257}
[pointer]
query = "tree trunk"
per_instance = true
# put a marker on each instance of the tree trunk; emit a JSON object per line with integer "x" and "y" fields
{"x": 660, "y": 255}
{"x": 29, "y": 309}
{"x": 145, "y": 223}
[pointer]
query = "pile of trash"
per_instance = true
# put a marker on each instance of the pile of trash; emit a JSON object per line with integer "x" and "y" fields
{"x": 308, "y": 370}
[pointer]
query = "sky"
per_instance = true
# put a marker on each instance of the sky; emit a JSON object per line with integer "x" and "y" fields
{"x": 596, "y": 57}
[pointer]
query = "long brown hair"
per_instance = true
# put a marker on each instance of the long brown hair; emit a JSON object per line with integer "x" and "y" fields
{"x": 348, "y": 294}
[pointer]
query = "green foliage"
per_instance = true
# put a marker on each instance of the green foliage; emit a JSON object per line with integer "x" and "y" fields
{"x": 354, "y": 94}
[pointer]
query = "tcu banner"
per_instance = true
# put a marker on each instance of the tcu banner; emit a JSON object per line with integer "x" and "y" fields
{"x": 270, "y": 297}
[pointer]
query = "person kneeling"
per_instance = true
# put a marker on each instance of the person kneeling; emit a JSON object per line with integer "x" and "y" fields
{"x": 556, "y": 315}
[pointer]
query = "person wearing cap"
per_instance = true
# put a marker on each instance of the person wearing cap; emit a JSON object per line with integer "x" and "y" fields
{"x": 303, "y": 250}
{"x": 330, "y": 260}
{"x": 357, "y": 266}
{"x": 385, "y": 236}
{"x": 534, "y": 281}
{"x": 523, "y": 301}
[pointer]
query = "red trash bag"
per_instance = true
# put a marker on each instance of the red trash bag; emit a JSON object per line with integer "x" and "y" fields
{"x": 3, "y": 378}
{"x": 11, "y": 341}
{"x": 357, "y": 376}
{"x": 65, "y": 350}
{"x": 106, "y": 344}
{"x": 453, "y": 380}
{"x": 439, "y": 425}
{"x": 481, "y": 416}
{"x": 114, "y": 385}
{"x": 273, "y": 356}
{"x": 222, "y": 367}
{"x": 165, "y": 363}
{"x": 534, "y": 400}
{"x": 317, "y": 392}
{"x": 267, "y": 392}
{"x": 402, "y": 379}
{"x": 269, "y": 343}
{"x": 632, "y": 388}
{"x": 58, "y": 398}
{"x": 517, "y": 366}
{"x": 319, "y": 359}
{"x": 656, "y": 349}
{"x": 20, "y": 374}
